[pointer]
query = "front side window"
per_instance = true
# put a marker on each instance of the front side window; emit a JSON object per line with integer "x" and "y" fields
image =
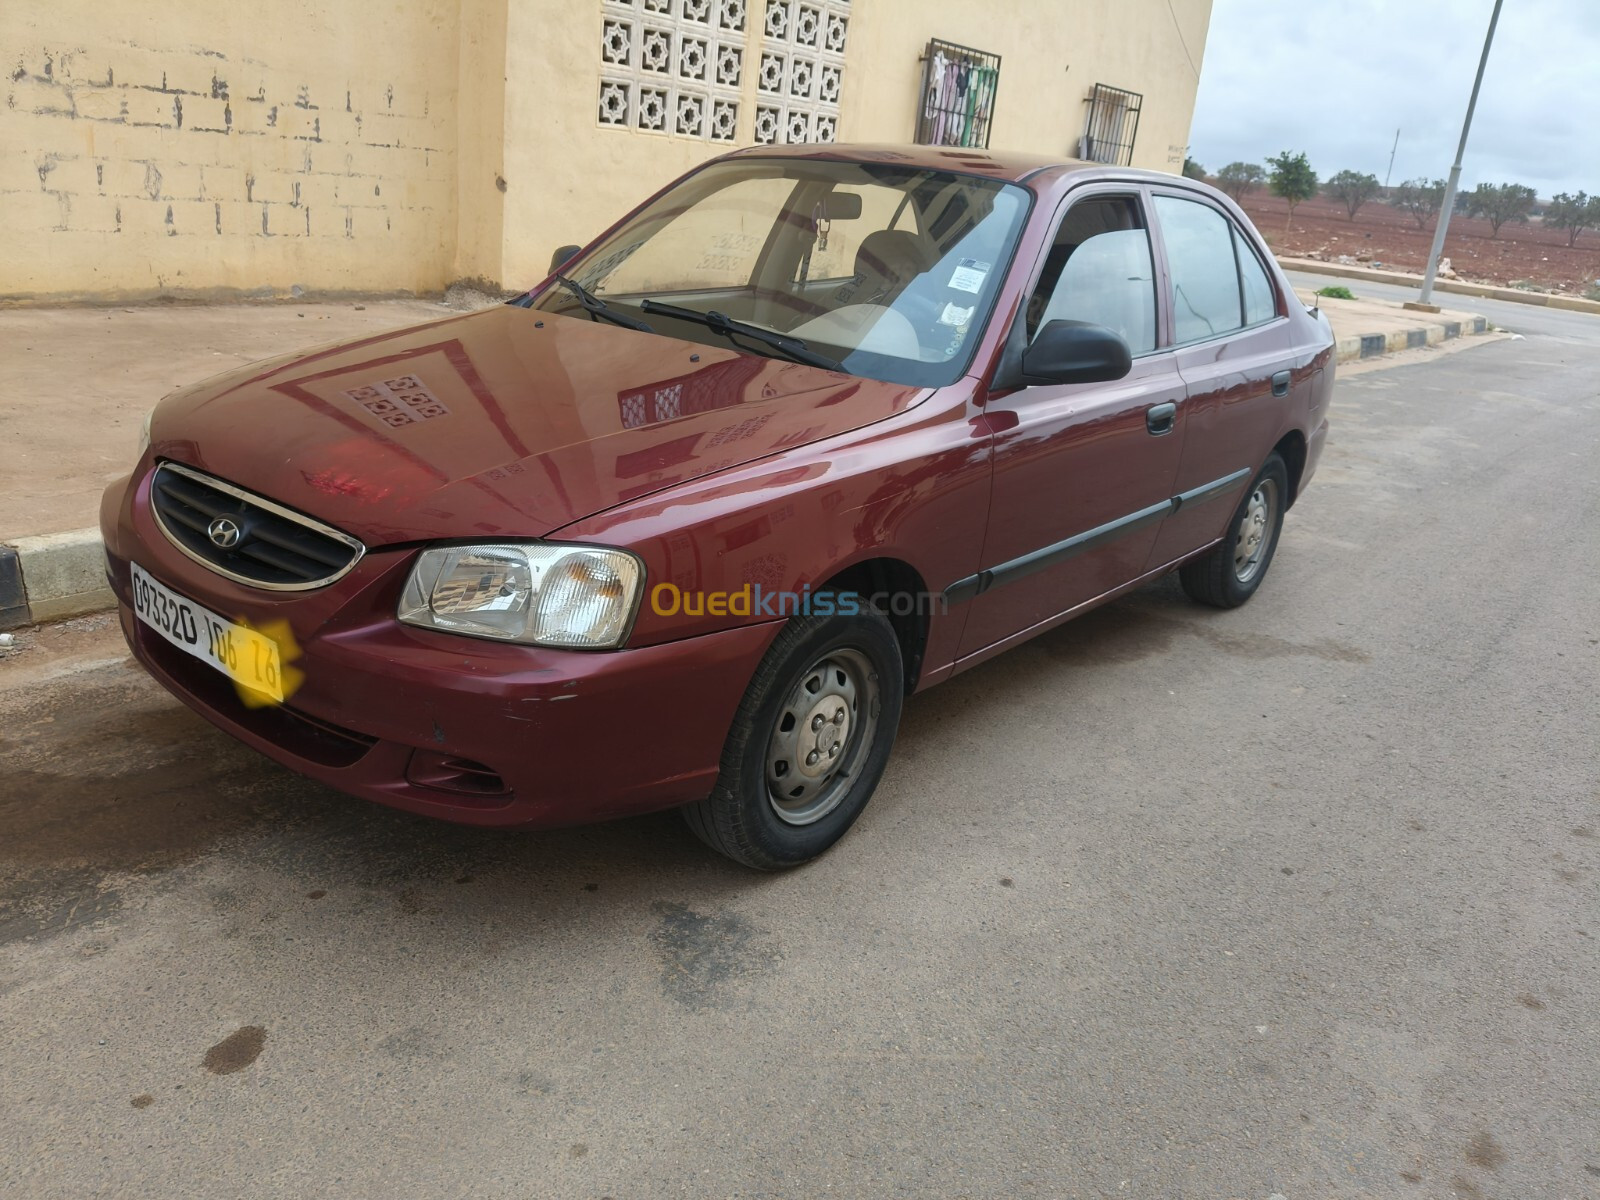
{"x": 889, "y": 270}
{"x": 1099, "y": 269}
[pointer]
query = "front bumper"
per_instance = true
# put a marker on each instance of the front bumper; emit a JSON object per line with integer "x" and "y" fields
{"x": 452, "y": 727}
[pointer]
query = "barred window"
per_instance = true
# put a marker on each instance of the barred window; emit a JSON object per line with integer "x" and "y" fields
{"x": 956, "y": 107}
{"x": 1112, "y": 125}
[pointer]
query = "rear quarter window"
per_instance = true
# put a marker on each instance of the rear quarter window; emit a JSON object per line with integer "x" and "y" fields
{"x": 1259, "y": 302}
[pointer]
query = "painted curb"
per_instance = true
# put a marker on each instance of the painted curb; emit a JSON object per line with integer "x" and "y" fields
{"x": 53, "y": 576}
{"x": 1484, "y": 291}
{"x": 1414, "y": 336}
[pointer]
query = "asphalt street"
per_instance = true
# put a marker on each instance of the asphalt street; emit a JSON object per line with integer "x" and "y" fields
{"x": 1299, "y": 900}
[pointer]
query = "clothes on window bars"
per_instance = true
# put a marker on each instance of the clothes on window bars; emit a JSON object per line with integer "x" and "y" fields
{"x": 935, "y": 85}
{"x": 960, "y": 101}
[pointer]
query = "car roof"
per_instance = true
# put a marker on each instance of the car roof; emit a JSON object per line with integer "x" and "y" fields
{"x": 1010, "y": 165}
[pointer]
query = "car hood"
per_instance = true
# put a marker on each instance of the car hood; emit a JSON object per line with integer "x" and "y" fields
{"x": 504, "y": 423}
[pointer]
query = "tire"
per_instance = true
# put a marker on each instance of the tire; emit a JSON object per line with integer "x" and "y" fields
{"x": 795, "y": 773}
{"x": 1229, "y": 574}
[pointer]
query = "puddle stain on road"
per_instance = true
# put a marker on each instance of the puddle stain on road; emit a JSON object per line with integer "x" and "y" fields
{"x": 121, "y": 780}
{"x": 704, "y": 956}
{"x": 236, "y": 1051}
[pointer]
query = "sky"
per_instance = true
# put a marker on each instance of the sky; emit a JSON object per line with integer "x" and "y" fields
{"x": 1336, "y": 78}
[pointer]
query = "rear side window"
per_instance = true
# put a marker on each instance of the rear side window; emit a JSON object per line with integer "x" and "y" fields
{"x": 1206, "y": 296}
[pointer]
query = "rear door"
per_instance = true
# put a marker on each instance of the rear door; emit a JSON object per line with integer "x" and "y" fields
{"x": 1233, "y": 351}
{"x": 1082, "y": 472}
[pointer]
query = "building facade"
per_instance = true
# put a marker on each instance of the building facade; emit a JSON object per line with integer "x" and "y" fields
{"x": 328, "y": 146}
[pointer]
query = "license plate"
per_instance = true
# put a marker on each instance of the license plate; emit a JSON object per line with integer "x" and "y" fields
{"x": 244, "y": 655}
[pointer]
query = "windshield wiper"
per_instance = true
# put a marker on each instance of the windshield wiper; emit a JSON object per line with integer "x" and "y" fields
{"x": 598, "y": 307}
{"x": 791, "y": 348}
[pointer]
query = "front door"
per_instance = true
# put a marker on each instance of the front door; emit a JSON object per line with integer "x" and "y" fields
{"x": 1083, "y": 473}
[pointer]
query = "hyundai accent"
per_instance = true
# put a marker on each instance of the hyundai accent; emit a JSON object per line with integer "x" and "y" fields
{"x": 810, "y": 430}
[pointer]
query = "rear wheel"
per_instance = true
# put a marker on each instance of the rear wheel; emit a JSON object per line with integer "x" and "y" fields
{"x": 810, "y": 739}
{"x": 1230, "y": 572}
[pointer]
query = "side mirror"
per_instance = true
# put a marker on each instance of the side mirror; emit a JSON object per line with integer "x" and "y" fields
{"x": 562, "y": 257}
{"x": 1076, "y": 352}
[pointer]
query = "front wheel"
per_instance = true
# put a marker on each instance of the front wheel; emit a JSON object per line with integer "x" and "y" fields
{"x": 1230, "y": 572}
{"x": 810, "y": 739}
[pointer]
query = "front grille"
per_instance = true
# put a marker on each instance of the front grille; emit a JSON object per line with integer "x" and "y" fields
{"x": 245, "y": 537}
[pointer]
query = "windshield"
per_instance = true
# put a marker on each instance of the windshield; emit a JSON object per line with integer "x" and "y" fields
{"x": 888, "y": 270}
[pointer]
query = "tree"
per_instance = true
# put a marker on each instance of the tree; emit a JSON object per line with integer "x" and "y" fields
{"x": 1422, "y": 198}
{"x": 1192, "y": 169}
{"x": 1293, "y": 179}
{"x": 1573, "y": 213}
{"x": 1240, "y": 178}
{"x": 1499, "y": 203}
{"x": 1352, "y": 189}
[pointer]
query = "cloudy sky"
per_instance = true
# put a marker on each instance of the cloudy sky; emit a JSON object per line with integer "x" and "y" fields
{"x": 1336, "y": 78}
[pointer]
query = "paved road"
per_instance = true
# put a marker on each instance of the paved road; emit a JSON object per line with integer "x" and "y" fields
{"x": 1296, "y": 900}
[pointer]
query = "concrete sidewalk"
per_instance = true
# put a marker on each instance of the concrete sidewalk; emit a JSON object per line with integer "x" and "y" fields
{"x": 1460, "y": 287}
{"x": 78, "y": 382}
{"x": 1365, "y": 328}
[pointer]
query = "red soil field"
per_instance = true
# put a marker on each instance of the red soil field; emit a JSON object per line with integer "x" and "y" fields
{"x": 1521, "y": 254}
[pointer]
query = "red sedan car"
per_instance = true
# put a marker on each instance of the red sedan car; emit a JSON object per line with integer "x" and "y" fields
{"x": 811, "y": 429}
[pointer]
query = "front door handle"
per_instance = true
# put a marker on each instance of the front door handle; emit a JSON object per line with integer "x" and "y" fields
{"x": 1159, "y": 418}
{"x": 1280, "y": 384}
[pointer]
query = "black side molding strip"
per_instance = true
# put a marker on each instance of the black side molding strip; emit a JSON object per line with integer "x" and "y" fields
{"x": 965, "y": 589}
{"x": 1082, "y": 543}
{"x": 1037, "y": 560}
{"x": 1210, "y": 491}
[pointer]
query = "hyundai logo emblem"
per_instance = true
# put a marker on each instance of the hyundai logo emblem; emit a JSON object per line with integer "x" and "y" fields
{"x": 224, "y": 533}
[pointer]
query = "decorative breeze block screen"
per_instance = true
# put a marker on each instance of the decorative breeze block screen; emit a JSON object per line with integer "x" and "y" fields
{"x": 801, "y": 70}
{"x": 673, "y": 66}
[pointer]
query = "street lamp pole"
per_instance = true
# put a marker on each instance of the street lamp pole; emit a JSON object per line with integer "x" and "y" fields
{"x": 1455, "y": 171}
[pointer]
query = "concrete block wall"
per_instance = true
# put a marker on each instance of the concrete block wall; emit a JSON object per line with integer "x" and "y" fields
{"x": 203, "y": 150}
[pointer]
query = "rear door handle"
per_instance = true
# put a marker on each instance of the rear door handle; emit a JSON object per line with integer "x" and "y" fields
{"x": 1280, "y": 384}
{"x": 1159, "y": 418}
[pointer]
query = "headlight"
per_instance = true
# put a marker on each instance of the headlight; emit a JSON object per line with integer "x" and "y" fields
{"x": 144, "y": 433}
{"x": 580, "y": 597}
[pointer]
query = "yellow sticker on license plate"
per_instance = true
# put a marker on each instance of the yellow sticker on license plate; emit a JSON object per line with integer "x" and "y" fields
{"x": 247, "y": 656}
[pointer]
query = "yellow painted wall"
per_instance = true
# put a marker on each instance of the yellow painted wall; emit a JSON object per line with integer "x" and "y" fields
{"x": 1052, "y": 53}
{"x": 196, "y": 148}
{"x": 567, "y": 178}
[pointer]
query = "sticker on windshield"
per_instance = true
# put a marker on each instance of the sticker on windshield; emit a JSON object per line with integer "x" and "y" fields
{"x": 969, "y": 275}
{"x": 954, "y": 314}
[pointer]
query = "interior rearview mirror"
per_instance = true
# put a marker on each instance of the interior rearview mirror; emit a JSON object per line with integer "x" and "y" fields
{"x": 1076, "y": 352}
{"x": 841, "y": 206}
{"x": 562, "y": 257}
